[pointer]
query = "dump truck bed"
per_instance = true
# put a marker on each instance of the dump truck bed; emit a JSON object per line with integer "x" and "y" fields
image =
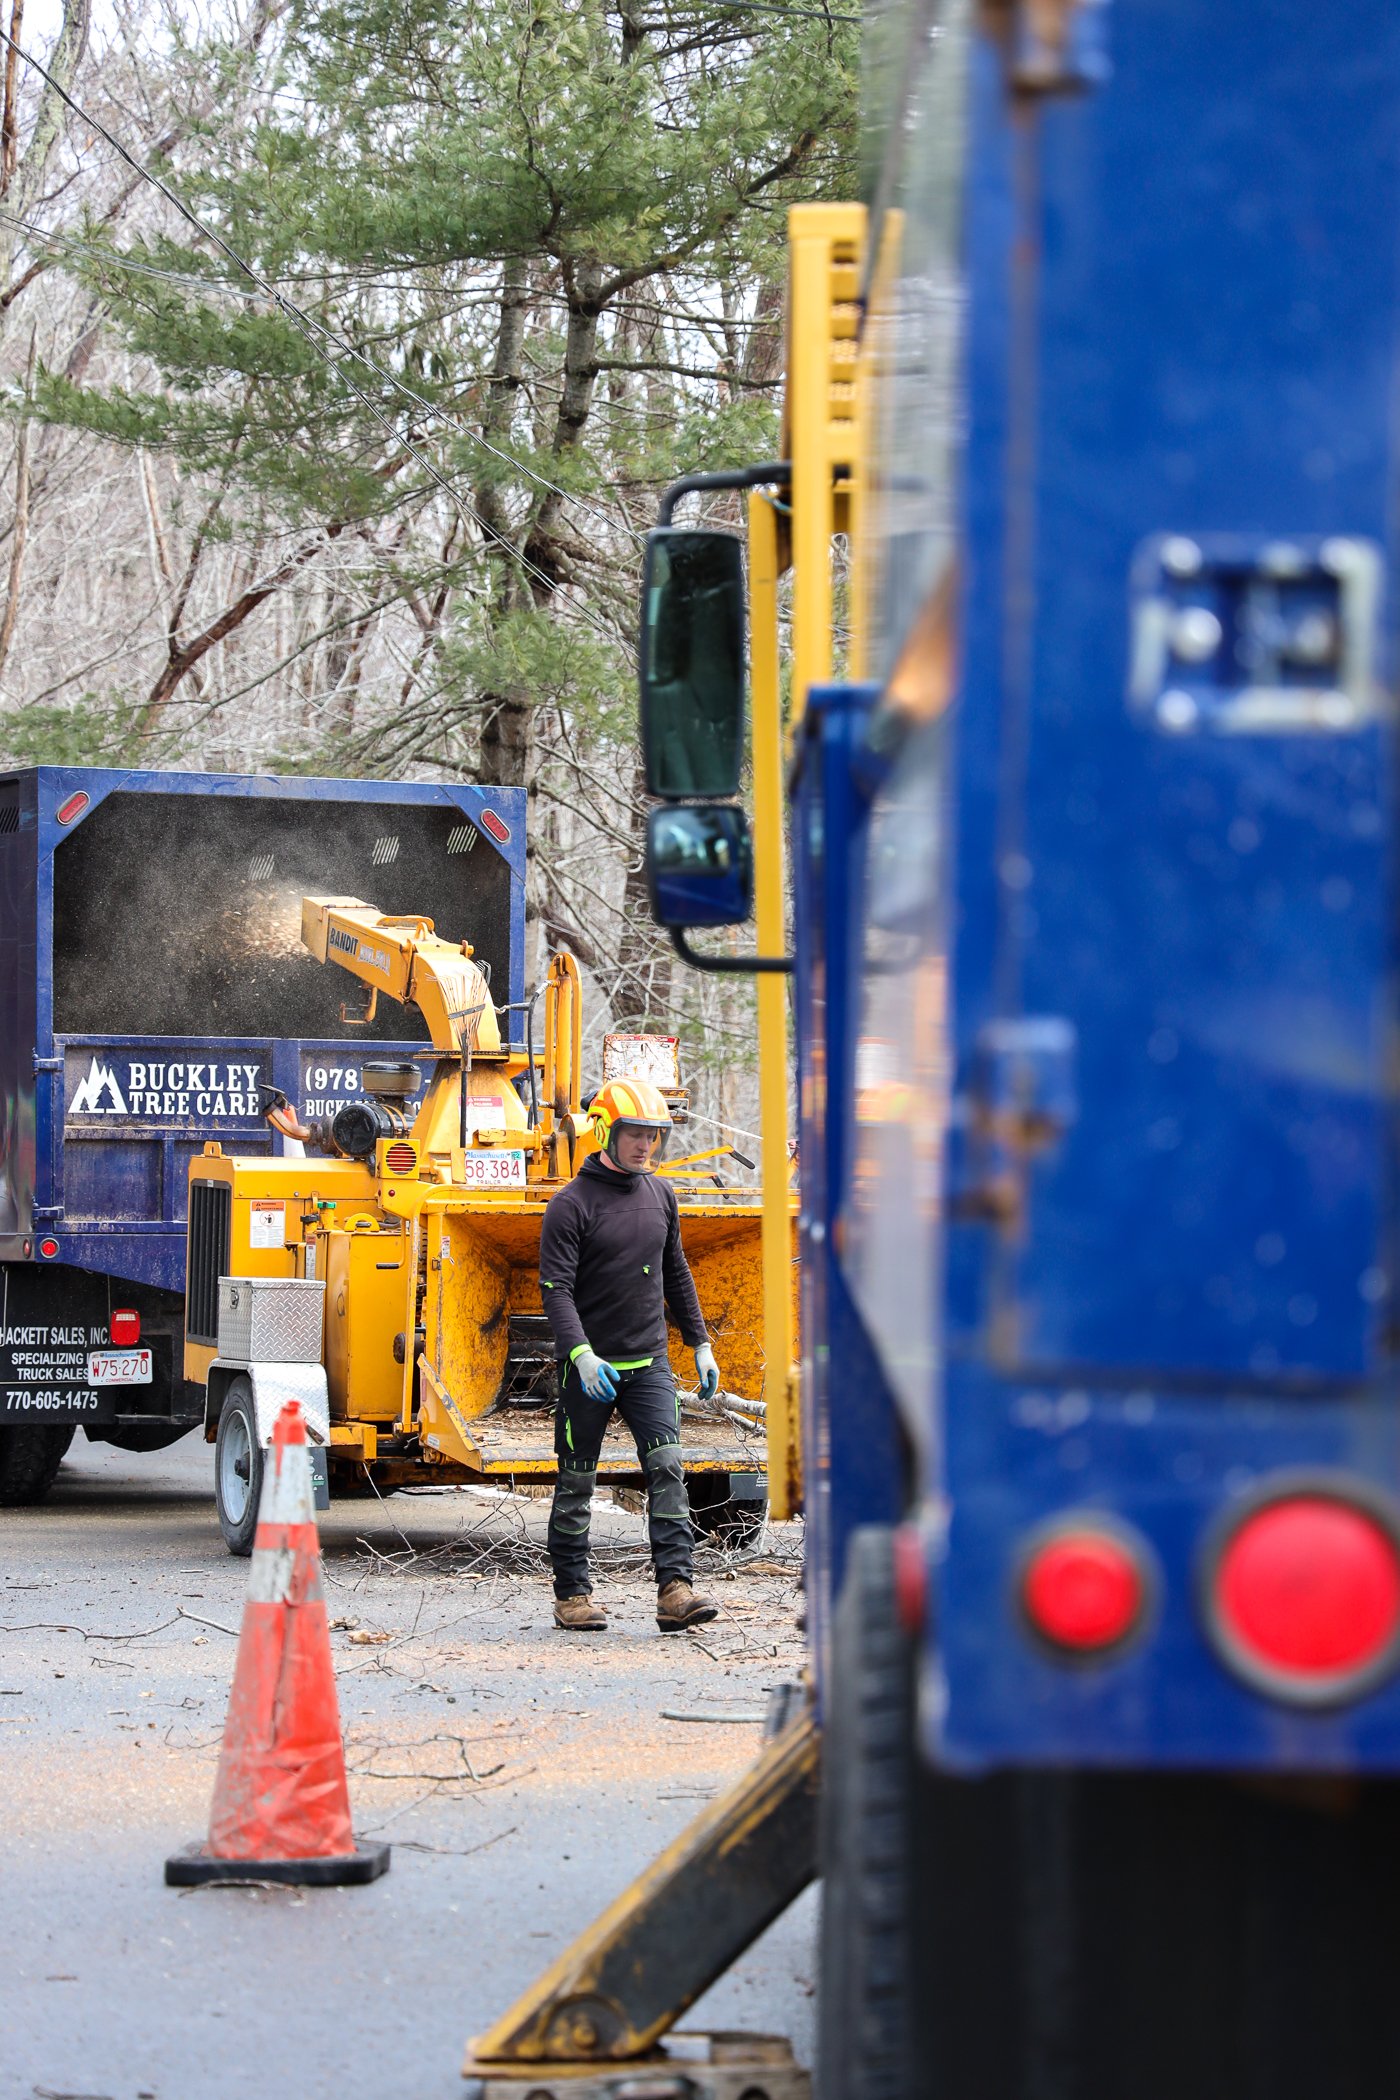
{"x": 153, "y": 990}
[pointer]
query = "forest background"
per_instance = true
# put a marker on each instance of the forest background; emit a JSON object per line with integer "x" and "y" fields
{"x": 344, "y": 348}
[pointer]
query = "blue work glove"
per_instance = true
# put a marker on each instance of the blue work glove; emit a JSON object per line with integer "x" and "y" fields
{"x": 707, "y": 1371}
{"x": 597, "y": 1377}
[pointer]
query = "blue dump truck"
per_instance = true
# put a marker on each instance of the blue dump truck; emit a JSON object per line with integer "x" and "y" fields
{"x": 1094, "y": 924}
{"x": 155, "y": 995}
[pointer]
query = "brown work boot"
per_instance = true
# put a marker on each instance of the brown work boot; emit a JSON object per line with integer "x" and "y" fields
{"x": 580, "y": 1614}
{"x": 677, "y": 1606}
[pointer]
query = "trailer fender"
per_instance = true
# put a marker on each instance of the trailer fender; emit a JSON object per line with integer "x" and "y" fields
{"x": 273, "y": 1386}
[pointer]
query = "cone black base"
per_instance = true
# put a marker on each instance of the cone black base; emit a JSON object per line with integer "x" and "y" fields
{"x": 367, "y": 1862}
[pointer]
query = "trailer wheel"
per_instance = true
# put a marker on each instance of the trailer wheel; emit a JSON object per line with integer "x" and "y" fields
{"x": 865, "y": 2040}
{"x": 30, "y": 1456}
{"x": 238, "y": 1468}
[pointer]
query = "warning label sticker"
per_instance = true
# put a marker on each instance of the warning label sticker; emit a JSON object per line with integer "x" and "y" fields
{"x": 485, "y": 1112}
{"x": 267, "y": 1225}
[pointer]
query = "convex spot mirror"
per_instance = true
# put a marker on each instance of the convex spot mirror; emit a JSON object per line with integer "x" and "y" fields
{"x": 700, "y": 865}
{"x": 692, "y": 663}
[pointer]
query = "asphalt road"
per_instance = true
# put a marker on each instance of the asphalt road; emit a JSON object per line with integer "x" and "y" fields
{"x": 522, "y": 1775}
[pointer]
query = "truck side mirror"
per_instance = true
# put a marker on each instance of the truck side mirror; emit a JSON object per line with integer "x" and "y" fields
{"x": 700, "y": 865}
{"x": 692, "y": 663}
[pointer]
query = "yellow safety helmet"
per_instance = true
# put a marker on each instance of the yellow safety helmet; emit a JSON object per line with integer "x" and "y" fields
{"x": 630, "y": 1099}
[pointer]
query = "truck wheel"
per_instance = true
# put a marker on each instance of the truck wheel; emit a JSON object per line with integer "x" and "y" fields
{"x": 865, "y": 2021}
{"x": 720, "y": 1516}
{"x": 238, "y": 1468}
{"x": 30, "y": 1456}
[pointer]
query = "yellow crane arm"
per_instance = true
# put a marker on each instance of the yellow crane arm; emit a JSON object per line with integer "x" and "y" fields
{"x": 405, "y": 958}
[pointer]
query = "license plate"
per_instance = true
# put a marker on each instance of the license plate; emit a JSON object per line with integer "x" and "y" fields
{"x": 495, "y": 1170}
{"x": 119, "y": 1367}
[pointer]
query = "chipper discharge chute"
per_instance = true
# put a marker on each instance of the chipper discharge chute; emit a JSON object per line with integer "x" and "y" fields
{"x": 385, "y": 1270}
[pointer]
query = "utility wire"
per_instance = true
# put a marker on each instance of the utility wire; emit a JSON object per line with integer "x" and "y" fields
{"x": 312, "y": 329}
{"x": 74, "y": 244}
{"x": 119, "y": 259}
{"x": 769, "y": 7}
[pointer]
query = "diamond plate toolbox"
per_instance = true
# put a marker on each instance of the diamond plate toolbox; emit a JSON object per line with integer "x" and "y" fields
{"x": 270, "y": 1319}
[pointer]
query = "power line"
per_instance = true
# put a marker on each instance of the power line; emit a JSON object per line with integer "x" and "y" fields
{"x": 73, "y": 244}
{"x": 312, "y": 328}
{"x": 769, "y": 7}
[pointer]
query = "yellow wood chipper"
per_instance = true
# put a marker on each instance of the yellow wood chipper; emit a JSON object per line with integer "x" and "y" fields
{"x": 384, "y": 1270}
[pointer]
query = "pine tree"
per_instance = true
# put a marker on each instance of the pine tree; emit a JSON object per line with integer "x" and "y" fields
{"x": 537, "y": 248}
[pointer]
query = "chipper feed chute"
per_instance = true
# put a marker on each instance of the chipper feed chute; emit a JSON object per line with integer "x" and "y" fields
{"x": 486, "y": 1362}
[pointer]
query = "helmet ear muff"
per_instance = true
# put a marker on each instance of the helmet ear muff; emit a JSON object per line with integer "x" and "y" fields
{"x": 629, "y": 1100}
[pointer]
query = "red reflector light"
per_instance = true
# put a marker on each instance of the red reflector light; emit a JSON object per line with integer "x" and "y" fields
{"x": 497, "y": 826}
{"x": 1305, "y": 1598}
{"x": 48, "y": 1248}
{"x": 910, "y": 1579}
{"x": 125, "y": 1329}
{"x": 73, "y": 807}
{"x": 1083, "y": 1589}
{"x": 401, "y": 1159}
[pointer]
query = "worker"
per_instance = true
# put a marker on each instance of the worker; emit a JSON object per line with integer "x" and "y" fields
{"x": 610, "y": 1264}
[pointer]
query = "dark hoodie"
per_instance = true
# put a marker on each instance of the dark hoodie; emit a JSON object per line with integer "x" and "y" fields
{"x": 611, "y": 1262}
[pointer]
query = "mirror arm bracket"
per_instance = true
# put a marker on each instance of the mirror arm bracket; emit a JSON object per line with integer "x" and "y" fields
{"x": 771, "y": 473}
{"x": 748, "y": 965}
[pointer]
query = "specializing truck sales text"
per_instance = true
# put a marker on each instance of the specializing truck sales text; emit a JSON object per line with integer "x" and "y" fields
{"x": 46, "y": 1369}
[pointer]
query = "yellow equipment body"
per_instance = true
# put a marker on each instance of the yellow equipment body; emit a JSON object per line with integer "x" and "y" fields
{"x": 437, "y": 1354}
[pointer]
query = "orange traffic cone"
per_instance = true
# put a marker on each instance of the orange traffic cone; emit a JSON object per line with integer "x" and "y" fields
{"x": 281, "y": 1807}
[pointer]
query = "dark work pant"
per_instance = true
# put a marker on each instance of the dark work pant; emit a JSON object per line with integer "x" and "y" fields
{"x": 647, "y": 1402}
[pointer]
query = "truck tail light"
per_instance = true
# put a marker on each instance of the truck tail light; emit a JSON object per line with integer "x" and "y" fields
{"x": 125, "y": 1329}
{"x": 48, "y": 1248}
{"x": 1084, "y": 1588}
{"x": 1303, "y": 1597}
{"x": 910, "y": 1579}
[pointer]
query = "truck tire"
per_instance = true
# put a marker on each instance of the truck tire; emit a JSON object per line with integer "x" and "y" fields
{"x": 1088, "y": 1934}
{"x": 30, "y": 1456}
{"x": 866, "y": 2044}
{"x": 238, "y": 1469}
